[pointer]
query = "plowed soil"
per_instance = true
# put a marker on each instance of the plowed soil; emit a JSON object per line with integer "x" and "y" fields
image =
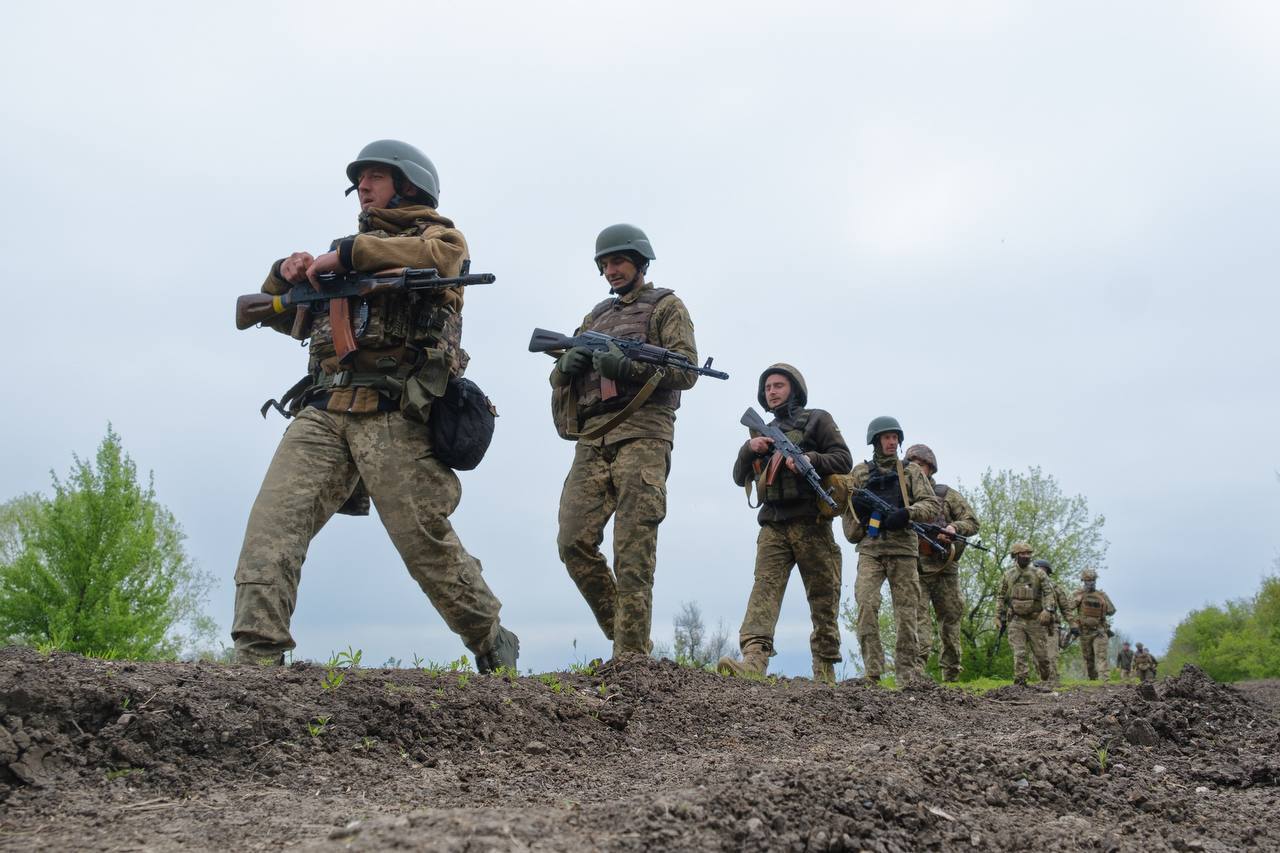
{"x": 641, "y": 755}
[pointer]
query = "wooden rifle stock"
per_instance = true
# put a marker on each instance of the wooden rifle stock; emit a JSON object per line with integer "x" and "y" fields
{"x": 344, "y": 339}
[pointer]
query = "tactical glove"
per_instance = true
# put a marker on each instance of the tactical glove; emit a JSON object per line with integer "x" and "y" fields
{"x": 611, "y": 363}
{"x": 574, "y": 361}
{"x": 862, "y": 506}
{"x": 1075, "y": 632}
{"x": 896, "y": 520}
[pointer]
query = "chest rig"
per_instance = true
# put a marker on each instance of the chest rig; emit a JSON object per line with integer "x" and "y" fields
{"x": 884, "y": 484}
{"x": 630, "y": 321}
{"x": 1092, "y": 609}
{"x": 774, "y": 481}
{"x": 1024, "y": 594}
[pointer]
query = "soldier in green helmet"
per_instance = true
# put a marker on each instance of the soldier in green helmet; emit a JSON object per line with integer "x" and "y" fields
{"x": 620, "y": 464}
{"x": 1091, "y": 608}
{"x": 793, "y": 529}
{"x": 350, "y": 426}
{"x": 1025, "y": 606}
{"x": 888, "y": 548}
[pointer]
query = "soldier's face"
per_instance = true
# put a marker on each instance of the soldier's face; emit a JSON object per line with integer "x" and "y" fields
{"x": 376, "y": 187}
{"x": 777, "y": 389}
{"x": 888, "y": 443}
{"x": 619, "y": 271}
{"x": 1022, "y": 560}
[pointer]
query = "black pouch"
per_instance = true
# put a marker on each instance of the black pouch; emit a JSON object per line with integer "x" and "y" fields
{"x": 461, "y": 424}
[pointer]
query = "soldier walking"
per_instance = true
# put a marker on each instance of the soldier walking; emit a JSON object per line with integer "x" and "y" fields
{"x": 1124, "y": 659}
{"x": 1026, "y": 608}
{"x": 939, "y": 573}
{"x": 620, "y": 469}
{"x": 1061, "y": 605}
{"x": 887, "y": 548}
{"x": 793, "y": 531}
{"x": 1091, "y": 607}
{"x": 1145, "y": 664}
{"x": 367, "y": 421}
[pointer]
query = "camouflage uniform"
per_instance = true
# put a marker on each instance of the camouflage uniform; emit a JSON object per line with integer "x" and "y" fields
{"x": 1090, "y": 609}
{"x": 1124, "y": 660}
{"x": 940, "y": 584}
{"x": 1145, "y": 665}
{"x": 1024, "y": 607}
{"x": 622, "y": 474}
{"x": 1056, "y": 598}
{"x": 892, "y": 555}
{"x": 792, "y": 531}
{"x": 344, "y": 433}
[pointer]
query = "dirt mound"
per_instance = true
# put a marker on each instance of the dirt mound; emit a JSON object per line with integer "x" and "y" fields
{"x": 639, "y": 754}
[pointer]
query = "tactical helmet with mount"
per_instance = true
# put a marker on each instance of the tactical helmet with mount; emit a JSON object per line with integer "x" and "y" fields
{"x": 626, "y": 240}
{"x": 1020, "y": 548}
{"x": 1043, "y": 564}
{"x": 1089, "y": 574}
{"x": 414, "y": 166}
{"x": 922, "y": 453}
{"x": 884, "y": 423}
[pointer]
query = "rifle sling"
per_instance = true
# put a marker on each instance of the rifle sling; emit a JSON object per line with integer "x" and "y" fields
{"x": 636, "y": 402}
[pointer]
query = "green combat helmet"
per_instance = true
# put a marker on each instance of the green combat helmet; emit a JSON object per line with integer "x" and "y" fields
{"x": 922, "y": 453}
{"x": 416, "y": 167}
{"x": 1020, "y": 548}
{"x": 624, "y": 238}
{"x": 884, "y": 423}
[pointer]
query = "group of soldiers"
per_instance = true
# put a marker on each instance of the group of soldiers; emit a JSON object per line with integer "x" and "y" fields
{"x": 360, "y": 430}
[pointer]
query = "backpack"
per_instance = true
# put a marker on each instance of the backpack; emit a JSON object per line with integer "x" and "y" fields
{"x": 461, "y": 424}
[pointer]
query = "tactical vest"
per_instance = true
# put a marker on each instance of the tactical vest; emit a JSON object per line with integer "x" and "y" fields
{"x": 787, "y": 486}
{"x": 1024, "y": 594}
{"x": 393, "y": 328}
{"x": 630, "y": 321}
{"x": 1093, "y": 609}
{"x": 884, "y": 484}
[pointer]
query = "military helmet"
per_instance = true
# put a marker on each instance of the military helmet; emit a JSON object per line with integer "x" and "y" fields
{"x": 1020, "y": 548}
{"x": 624, "y": 238}
{"x": 799, "y": 390}
{"x": 1043, "y": 564}
{"x": 884, "y": 423}
{"x": 1089, "y": 574}
{"x": 1140, "y": 646}
{"x": 416, "y": 167}
{"x": 924, "y": 454}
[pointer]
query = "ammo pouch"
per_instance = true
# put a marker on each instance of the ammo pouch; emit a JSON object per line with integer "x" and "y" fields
{"x": 428, "y": 383}
{"x": 841, "y": 488}
{"x": 1090, "y": 612}
{"x": 1022, "y": 599}
{"x": 461, "y": 423}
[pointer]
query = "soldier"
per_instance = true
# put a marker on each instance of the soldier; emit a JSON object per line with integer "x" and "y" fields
{"x": 1090, "y": 609}
{"x": 792, "y": 529}
{"x": 1026, "y": 609}
{"x": 362, "y": 423}
{"x": 1124, "y": 659}
{"x": 620, "y": 466}
{"x": 887, "y": 548}
{"x": 1145, "y": 664}
{"x": 1057, "y": 596}
{"x": 939, "y": 574}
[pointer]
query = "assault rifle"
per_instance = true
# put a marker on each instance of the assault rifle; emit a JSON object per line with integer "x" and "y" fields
{"x": 752, "y": 420}
{"x": 336, "y": 290}
{"x": 935, "y": 529}
{"x": 550, "y": 342}
{"x": 881, "y": 506}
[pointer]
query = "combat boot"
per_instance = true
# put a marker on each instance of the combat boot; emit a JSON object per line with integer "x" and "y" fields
{"x": 754, "y": 663}
{"x": 824, "y": 670}
{"x": 505, "y": 653}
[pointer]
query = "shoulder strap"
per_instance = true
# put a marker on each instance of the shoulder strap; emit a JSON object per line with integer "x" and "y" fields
{"x": 646, "y": 391}
{"x": 902, "y": 483}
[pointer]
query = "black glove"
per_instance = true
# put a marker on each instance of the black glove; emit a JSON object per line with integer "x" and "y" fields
{"x": 863, "y": 506}
{"x": 896, "y": 520}
{"x": 574, "y": 361}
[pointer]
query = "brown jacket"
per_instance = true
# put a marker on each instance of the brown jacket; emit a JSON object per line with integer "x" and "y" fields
{"x": 826, "y": 449}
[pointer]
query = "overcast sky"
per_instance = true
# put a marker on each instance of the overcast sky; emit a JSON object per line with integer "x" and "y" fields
{"x": 1037, "y": 234}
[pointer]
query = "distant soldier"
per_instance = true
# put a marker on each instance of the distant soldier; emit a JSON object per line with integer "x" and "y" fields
{"x": 1026, "y": 608}
{"x": 887, "y": 547}
{"x": 1124, "y": 659}
{"x": 1061, "y": 607}
{"x": 1090, "y": 609}
{"x": 1145, "y": 664}
{"x": 792, "y": 530}
{"x": 939, "y": 574}
{"x": 621, "y": 460}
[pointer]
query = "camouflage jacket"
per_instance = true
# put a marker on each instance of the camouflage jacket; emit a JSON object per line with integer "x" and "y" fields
{"x": 956, "y": 512}
{"x": 1042, "y": 590}
{"x": 1144, "y": 661}
{"x": 1124, "y": 658}
{"x": 1109, "y": 610}
{"x": 923, "y": 505}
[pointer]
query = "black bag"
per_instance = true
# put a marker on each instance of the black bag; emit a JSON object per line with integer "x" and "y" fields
{"x": 461, "y": 424}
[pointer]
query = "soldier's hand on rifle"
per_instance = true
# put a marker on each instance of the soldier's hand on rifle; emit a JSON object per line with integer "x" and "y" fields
{"x": 896, "y": 520}
{"x": 328, "y": 262}
{"x": 575, "y": 361}
{"x": 293, "y": 269}
{"x": 611, "y": 363}
{"x": 863, "y": 506}
{"x": 791, "y": 464}
{"x": 760, "y": 445}
{"x": 944, "y": 536}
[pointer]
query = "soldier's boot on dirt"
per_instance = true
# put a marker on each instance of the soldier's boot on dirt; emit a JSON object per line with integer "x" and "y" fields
{"x": 1021, "y": 681}
{"x": 824, "y": 670}
{"x": 259, "y": 660}
{"x": 754, "y": 663}
{"x": 952, "y": 675}
{"x": 505, "y": 653}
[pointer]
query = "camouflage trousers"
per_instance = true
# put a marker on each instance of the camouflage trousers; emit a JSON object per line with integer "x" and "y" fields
{"x": 1145, "y": 675}
{"x": 904, "y": 587}
{"x": 1093, "y": 648}
{"x": 809, "y": 545}
{"x": 314, "y": 469}
{"x": 1051, "y": 650}
{"x": 628, "y": 482}
{"x": 942, "y": 589}
{"x": 1026, "y": 634}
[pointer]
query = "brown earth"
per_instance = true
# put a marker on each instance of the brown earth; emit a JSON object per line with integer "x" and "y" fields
{"x": 642, "y": 755}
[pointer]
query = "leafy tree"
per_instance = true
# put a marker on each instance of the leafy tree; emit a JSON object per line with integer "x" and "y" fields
{"x": 693, "y": 645}
{"x": 1236, "y": 641}
{"x": 99, "y": 568}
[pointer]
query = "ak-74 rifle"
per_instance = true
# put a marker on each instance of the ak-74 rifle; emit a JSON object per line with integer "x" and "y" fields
{"x": 335, "y": 292}
{"x": 883, "y": 508}
{"x": 554, "y": 342}
{"x": 788, "y": 450}
{"x": 936, "y": 529}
